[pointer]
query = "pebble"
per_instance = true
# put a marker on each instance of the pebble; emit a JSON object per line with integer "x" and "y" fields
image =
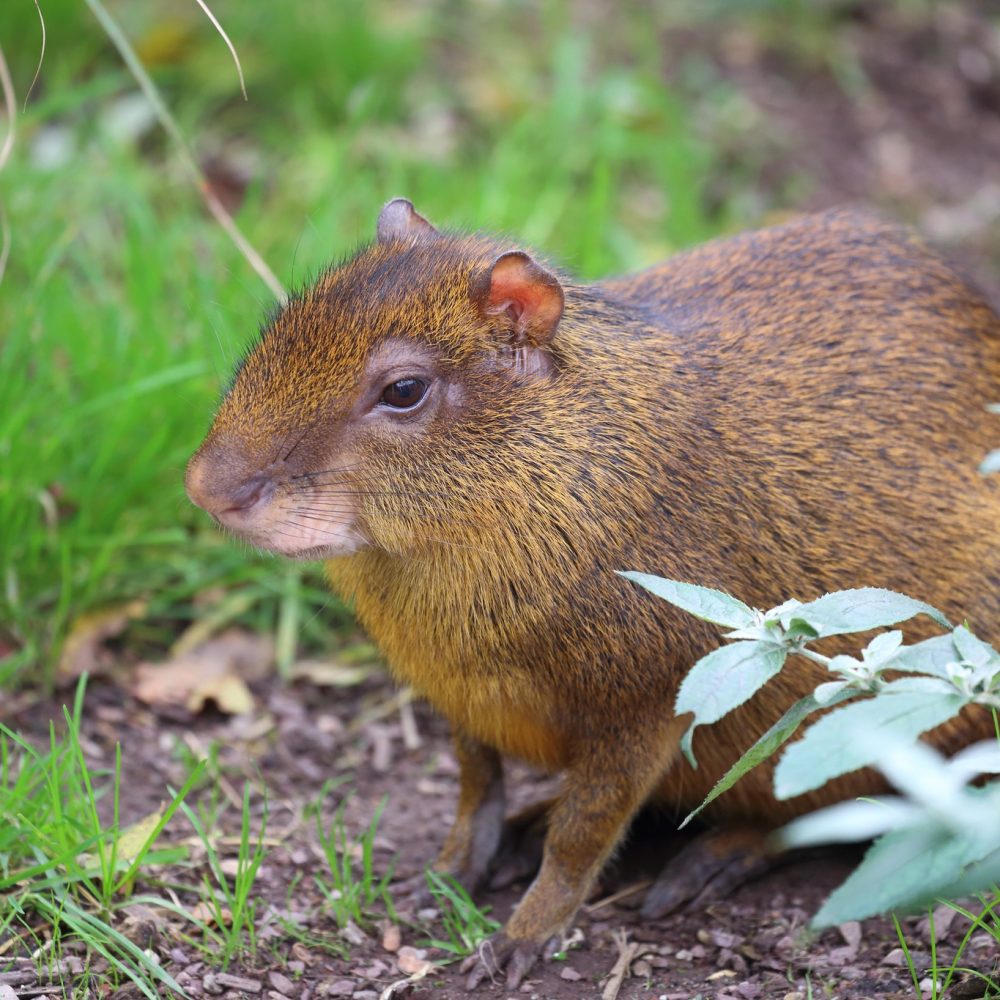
{"x": 642, "y": 969}
{"x": 570, "y": 975}
{"x": 211, "y": 985}
{"x": 281, "y": 983}
{"x": 338, "y": 988}
{"x": 851, "y": 933}
{"x": 7, "y": 992}
{"x": 391, "y": 938}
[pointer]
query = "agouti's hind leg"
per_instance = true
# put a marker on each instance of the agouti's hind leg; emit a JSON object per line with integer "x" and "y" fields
{"x": 472, "y": 842}
{"x": 709, "y": 867}
{"x": 522, "y": 843}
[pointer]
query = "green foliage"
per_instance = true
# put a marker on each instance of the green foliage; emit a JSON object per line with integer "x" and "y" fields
{"x": 125, "y": 306}
{"x": 60, "y": 863}
{"x": 350, "y": 887}
{"x": 230, "y": 900}
{"x": 466, "y": 925}
{"x": 941, "y": 837}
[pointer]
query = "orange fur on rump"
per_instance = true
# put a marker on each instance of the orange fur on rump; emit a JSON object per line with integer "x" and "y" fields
{"x": 777, "y": 415}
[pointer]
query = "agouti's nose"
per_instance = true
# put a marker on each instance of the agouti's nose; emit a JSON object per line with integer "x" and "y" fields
{"x": 248, "y": 494}
{"x": 227, "y": 499}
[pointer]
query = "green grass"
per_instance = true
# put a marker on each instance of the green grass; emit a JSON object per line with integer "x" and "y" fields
{"x": 64, "y": 872}
{"x": 228, "y": 899}
{"x": 941, "y": 972}
{"x": 466, "y": 925}
{"x": 350, "y": 885}
{"x": 124, "y": 305}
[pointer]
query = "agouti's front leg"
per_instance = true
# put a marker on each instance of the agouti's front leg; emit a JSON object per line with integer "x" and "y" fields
{"x": 609, "y": 780}
{"x": 474, "y": 837}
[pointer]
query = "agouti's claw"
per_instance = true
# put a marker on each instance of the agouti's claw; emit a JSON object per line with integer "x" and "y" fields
{"x": 497, "y": 954}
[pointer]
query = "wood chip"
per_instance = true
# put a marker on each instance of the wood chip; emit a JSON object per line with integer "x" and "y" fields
{"x": 626, "y": 952}
{"x": 243, "y": 983}
{"x": 381, "y": 747}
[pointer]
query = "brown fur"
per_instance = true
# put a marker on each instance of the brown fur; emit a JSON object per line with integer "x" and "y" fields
{"x": 777, "y": 415}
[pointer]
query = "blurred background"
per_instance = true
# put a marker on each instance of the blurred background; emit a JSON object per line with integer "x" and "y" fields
{"x": 606, "y": 134}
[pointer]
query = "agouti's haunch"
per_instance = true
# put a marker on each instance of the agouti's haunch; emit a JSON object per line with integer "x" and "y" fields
{"x": 475, "y": 444}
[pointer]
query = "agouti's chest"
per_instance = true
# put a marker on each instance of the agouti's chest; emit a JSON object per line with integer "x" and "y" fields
{"x": 441, "y": 650}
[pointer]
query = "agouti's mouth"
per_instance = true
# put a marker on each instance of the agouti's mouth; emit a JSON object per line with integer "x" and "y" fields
{"x": 267, "y": 512}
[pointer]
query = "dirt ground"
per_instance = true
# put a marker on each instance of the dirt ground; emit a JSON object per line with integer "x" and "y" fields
{"x": 753, "y": 945}
{"x": 891, "y": 105}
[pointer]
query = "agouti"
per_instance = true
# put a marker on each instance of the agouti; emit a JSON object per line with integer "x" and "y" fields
{"x": 475, "y": 443}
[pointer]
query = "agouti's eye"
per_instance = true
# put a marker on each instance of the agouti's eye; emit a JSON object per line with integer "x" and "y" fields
{"x": 404, "y": 394}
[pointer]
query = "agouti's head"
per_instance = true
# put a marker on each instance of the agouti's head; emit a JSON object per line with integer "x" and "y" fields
{"x": 377, "y": 406}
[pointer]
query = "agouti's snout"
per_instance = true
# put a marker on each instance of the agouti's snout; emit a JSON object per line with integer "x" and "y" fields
{"x": 231, "y": 501}
{"x": 276, "y": 508}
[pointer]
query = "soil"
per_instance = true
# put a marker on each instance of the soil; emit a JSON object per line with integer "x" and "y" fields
{"x": 889, "y": 105}
{"x": 754, "y": 944}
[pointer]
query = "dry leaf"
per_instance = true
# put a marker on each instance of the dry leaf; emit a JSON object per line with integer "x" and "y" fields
{"x": 205, "y": 914}
{"x": 213, "y": 672}
{"x": 327, "y": 673}
{"x": 229, "y": 693}
{"x": 84, "y": 650}
{"x": 134, "y": 838}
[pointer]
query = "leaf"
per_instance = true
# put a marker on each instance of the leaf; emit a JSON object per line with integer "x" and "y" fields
{"x": 882, "y": 648}
{"x": 982, "y": 657}
{"x": 85, "y": 650}
{"x": 724, "y": 679}
{"x": 846, "y": 611}
{"x": 850, "y": 822}
{"x": 902, "y": 710}
{"x": 976, "y": 877}
{"x": 931, "y": 656}
{"x": 899, "y": 871}
{"x": 991, "y": 463}
{"x": 138, "y": 837}
{"x": 709, "y": 605}
{"x": 774, "y": 738}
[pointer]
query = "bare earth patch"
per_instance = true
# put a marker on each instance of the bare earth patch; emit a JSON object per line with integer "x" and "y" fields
{"x": 753, "y": 945}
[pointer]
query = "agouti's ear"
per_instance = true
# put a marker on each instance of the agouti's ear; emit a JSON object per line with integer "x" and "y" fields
{"x": 530, "y": 296}
{"x": 399, "y": 220}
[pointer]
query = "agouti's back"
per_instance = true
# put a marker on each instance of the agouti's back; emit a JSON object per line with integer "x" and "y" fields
{"x": 476, "y": 444}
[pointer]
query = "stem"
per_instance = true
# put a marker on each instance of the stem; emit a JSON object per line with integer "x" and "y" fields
{"x": 811, "y": 654}
{"x": 186, "y": 155}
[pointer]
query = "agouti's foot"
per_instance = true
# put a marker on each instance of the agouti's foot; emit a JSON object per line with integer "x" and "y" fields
{"x": 708, "y": 868}
{"x": 502, "y": 954}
